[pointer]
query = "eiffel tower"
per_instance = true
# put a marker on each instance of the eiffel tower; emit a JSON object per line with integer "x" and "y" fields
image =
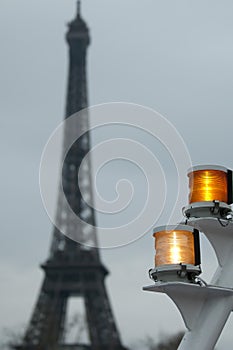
{"x": 73, "y": 269}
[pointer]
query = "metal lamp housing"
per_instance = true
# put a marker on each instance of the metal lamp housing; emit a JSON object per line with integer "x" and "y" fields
{"x": 177, "y": 255}
{"x": 210, "y": 192}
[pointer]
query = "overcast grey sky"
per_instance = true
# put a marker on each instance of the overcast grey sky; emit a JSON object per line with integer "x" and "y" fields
{"x": 173, "y": 56}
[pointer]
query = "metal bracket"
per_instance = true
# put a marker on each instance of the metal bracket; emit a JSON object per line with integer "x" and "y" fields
{"x": 220, "y": 236}
{"x": 190, "y": 298}
{"x": 175, "y": 272}
{"x": 216, "y": 209}
{"x": 213, "y": 209}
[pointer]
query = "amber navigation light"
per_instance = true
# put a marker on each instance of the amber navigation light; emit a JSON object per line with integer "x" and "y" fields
{"x": 210, "y": 183}
{"x": 176, "y": 245}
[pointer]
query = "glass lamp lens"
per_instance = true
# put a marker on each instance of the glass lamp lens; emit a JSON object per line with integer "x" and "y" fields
{"x": 174, "y": 247}
{"x": 208, "y": 185}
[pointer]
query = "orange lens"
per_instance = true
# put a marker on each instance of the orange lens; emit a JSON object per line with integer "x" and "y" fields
{"x": 207, "y": 185}
{"x": 174, "y": 247}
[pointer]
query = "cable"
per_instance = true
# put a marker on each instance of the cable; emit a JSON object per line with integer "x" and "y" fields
{"x": 223, "y": 225}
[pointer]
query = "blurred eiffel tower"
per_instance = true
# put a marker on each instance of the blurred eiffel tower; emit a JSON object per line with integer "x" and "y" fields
{"x": 72, "y": 269}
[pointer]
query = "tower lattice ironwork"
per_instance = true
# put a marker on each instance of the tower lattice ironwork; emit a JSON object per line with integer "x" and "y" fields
{"x": 73, "y": 269}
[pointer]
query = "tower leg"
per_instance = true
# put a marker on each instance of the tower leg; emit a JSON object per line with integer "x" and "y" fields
{"x": 102, "y": 328}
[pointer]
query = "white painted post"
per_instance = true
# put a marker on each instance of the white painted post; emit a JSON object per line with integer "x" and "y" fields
{"x": 209, "y": 325}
